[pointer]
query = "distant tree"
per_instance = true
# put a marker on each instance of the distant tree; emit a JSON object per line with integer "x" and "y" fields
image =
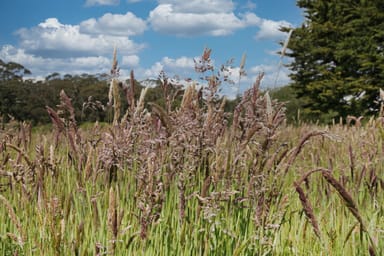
{"x": 287, "y": 95}
{"x": 338, "y": 57}
{"x": 26, "y": 99}
{"x": 67, "y": 76}
{"x": 12, "y": 71}
{"x": 11, "y": 77}
{"x": 53, "y": 76}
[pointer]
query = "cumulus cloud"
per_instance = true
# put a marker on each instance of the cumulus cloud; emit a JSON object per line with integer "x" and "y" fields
{"x": 214, "y": 18}
{"x": 101, "y": 2}
{"x": 251, "y": 19}
{"x": 182, "y": 62}
{"x": 85, "y": 48}
{"x": 268, "y": 29}
{"x": 130, "y": 61}
{"x": 41, "y": 66}
{"x": 53, "y": 39}
{"x": 165, "y": 19}
{"x": 200, "y": 6}
{"x": 183, "y": 66}
{"x": 114, "y": 24}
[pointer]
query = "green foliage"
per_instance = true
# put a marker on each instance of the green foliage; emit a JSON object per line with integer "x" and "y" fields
{"x": 26, "y": 100}
{"x": 338, "y": 54}
{"x": 22, "y": 99}
{"x": 293, "y": 104}
{"x": 12, "y": 71}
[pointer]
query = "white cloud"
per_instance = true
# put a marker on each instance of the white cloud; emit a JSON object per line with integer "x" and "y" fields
{"x": 101, "y": 2}
{"x": 130, "y": 61}
{"x": 251, "y": 19}
{"x": 200, "y": 6}
{"x": 53, "y": 39}
{"x": 153, "y": 71}
{"x": 269, "y": 29}
{"x": 114, "y": 24}
{"x": 182, "y": 62}
{"x": 165, "y": 19}
{"x": 183, "y": 66}
{"x": 41, "y": 66}
{"x": 214, "y": 18}
{"x": 55, "y": 47}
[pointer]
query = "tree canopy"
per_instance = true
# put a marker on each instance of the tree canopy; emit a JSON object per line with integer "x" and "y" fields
{"x": 12, "y": 71}
{"x": 338, "y": 57}
{"x": 26, "y": 99}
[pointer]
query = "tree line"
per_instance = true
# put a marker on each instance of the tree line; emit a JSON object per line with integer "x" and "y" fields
{"x": 26, "y": 99}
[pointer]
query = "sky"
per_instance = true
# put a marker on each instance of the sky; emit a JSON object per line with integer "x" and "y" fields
{"x": 78, "y": 36}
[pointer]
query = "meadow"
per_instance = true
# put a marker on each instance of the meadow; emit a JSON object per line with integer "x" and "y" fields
{"x": 192, "y": 180}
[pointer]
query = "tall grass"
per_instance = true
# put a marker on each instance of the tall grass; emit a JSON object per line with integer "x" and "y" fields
{"x": 187, "y": 181}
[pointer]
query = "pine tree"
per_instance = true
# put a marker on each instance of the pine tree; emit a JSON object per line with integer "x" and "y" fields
{"x": 338, "y": 57}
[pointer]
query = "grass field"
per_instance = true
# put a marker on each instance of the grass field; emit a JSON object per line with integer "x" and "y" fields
{"x": 185, "y": 182}
{"x": 191, "y": 180}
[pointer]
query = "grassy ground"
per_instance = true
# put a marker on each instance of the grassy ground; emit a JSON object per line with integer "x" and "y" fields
{"x": 185, "y": 182}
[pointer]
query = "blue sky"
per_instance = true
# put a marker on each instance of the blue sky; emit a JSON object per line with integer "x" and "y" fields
{"x": 78, "y": 36}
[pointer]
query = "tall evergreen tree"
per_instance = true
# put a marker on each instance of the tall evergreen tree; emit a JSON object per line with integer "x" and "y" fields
{"x": 338, "y": 57}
